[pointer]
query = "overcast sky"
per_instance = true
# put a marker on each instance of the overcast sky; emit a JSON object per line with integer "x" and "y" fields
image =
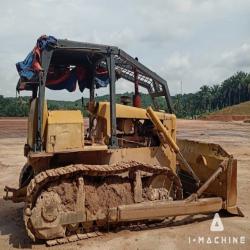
{"x": 194, "y": 41}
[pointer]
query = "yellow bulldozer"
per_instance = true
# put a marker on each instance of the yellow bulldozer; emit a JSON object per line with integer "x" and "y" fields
{"x": 119, "y": 165}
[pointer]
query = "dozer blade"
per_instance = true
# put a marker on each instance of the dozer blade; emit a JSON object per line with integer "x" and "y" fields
{"x": 206, "y": 160}
{"x": 161, "y": 209}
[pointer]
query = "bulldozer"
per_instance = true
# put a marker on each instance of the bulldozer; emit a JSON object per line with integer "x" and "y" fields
{"x": 121, "y": 164}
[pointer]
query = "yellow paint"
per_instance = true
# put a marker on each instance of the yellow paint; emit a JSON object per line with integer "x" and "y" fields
{"x": 65, "y": 131}
{"x": 32, "y": 121}
{"x": 124, "y": 111}
{"x": 158, "y": 124}
{"x": 102, "y": 111}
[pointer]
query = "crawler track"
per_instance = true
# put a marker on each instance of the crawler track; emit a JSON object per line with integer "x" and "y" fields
{"x": 44, "y": 179}
{"x": 85, "y": 236}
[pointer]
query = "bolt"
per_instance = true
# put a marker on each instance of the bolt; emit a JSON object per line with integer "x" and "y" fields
{"x": 28, "y": 211}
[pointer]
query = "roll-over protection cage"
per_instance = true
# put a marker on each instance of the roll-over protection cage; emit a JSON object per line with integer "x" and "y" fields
{"x": 90, "y": 55}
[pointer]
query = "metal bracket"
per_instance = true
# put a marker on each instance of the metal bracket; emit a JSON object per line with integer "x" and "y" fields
{"x": 111, "y": 68}
{"x": 46, "y": 58}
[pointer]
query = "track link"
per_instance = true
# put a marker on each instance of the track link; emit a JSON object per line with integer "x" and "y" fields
{"x": 73, "y": 238}
{"x": 95, "y": 234}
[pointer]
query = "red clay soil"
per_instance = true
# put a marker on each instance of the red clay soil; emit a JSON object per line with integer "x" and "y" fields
{"x": 239, "y": 112}
{"x": 234, "y": 137}
{"x": 101, "y": 194}
{"x": 13, "y": 127}
{"x": 226, "y": 118}
{"x": 111, "y": 192}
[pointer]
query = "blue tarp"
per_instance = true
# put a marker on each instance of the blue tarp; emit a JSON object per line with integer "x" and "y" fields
{"x": 44, "y": 42}
{"x": 101, "y": 81}
{"x": 28, "y": 69}
{"x": 25, "y": 68}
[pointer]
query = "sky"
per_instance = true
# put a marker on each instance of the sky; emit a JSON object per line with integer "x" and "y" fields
{"x": 195, "y": 42}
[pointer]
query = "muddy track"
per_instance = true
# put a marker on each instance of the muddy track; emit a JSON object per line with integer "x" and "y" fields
{"x": 42, "y": 180}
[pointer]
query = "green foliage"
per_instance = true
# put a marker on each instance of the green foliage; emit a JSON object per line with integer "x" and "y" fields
{"x": 232, "y": 91}
{"x": 18, "y": 107}
{"x": 14, "y": 106}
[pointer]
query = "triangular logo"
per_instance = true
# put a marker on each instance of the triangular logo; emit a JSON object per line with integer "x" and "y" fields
{"x": 216, "y": 225}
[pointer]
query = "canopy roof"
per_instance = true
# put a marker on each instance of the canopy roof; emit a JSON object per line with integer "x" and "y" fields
{"x": 89, "y": 55}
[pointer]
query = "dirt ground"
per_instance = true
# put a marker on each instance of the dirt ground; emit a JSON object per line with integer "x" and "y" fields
{"x": 233, "y": 136}
{"x": 227, "y": 118}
